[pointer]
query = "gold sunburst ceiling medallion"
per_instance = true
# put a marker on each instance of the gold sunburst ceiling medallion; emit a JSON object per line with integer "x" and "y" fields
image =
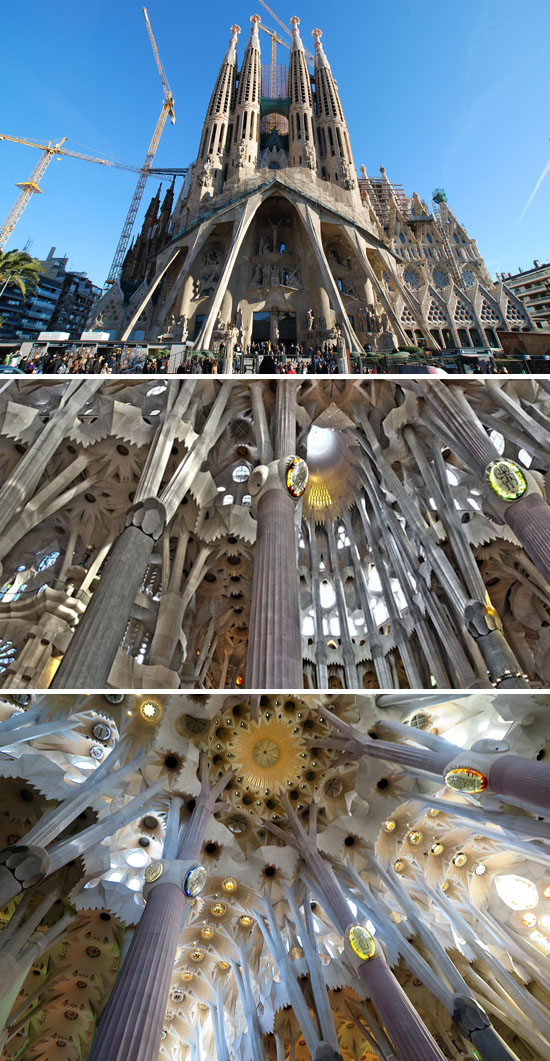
{"x": 268, "y": 754}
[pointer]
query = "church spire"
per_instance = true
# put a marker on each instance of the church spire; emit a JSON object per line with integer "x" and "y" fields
{"x": 300, "y": 123}
{"x": 333, "y": 136}
{"x": 215, "y": 129}
{"x": 247, "y": 110}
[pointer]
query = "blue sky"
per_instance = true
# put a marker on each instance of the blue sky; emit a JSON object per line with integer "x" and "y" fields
{"x": 452, "y": 95}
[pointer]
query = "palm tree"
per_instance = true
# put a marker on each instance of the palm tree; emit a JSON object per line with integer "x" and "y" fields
{"x": 19, "y": 269}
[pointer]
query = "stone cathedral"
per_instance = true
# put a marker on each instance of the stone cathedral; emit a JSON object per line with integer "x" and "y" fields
{"x": 346, "y": 877}
{"x": 274, "y": 534}
{"x": 275, "y": 236}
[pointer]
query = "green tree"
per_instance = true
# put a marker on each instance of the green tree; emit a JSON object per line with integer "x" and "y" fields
{"x": 19, "y": 269}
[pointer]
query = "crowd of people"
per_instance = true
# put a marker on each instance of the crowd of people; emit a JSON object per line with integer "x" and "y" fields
{"x": 74, "y": 359}
{"x": 260, "y": 357}
{"x": 59, "y": 360}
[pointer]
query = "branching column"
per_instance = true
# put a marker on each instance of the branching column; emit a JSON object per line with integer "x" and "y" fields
{"x": 482, "y": 622}
{"x": 378, "y": 656}
{"x": 275, "y": 644}
{"x": 320, "y": 645}
{"x": 131, "y": 1024}
{"x": 19, "y": 486}
{"x": 529, "y": 516}
{"x": 132, "y": 1021}
{"x": 402, "y": 1023}
{"x": 348, "y": 650}
{"x": 90, "y": 655}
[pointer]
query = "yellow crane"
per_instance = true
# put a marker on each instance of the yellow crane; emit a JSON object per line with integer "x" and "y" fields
{"x": 52, "y": 150}
{"x": 167, "y": 110}
{"x": 275, "y": 40}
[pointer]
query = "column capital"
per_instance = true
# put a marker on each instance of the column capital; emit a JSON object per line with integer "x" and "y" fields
{"x": 22, "y": 866}
{"x": 187, "y": 874}
{"x": 149, "y": 516}
{"x": 288, "y": 474}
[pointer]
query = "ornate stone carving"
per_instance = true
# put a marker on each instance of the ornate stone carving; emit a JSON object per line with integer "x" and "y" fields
{"x": 26, "y": 865}
{"x": 149, "y": 515}
{"x": 480, "y": 620}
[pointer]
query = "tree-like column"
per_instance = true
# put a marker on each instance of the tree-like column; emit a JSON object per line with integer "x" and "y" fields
{"x": 275, "y": 645}
{"x": 131, "y": 1025}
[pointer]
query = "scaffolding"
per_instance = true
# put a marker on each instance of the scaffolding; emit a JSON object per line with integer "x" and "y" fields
{"x": 381, "y": 193}
{"x": 274, "y": 86}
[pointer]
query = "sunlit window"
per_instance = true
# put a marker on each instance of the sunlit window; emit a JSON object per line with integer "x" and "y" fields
{"x": 320, "y": 441}
{"x": 241, "y": 473}
{"x": 48, "y": 561}
{"x": 518, "y": 893}
{"x": 327, "y": 594}
{"x": 498, "y": 441}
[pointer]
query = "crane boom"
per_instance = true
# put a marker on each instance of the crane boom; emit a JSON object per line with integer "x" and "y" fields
{"x": 277, "y": 19}
{"x": 49, "y": 151}
{"x": 164, "y": 79}
{"x": 122, "y": 246}
{"x": 275, "y": 40}
{"x": 28, "y": 189}
{"x": 286, "y": 29}
{"x": 167, "y": 109}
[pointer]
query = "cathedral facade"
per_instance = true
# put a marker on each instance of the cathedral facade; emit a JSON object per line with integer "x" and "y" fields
{"x": 275, "y": 236}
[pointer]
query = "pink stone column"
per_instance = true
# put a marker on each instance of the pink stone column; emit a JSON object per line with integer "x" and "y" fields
{"x": 275, "y": 641}
{"x": 131, "y": 1024}
{"x": 525, "y": 779}
{"x": 407, "y": 1031}
{"x": 529, "y": 518}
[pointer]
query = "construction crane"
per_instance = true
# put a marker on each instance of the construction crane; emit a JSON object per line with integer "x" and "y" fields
{"x": 286, "y": 29}
{"x": 49, "y": 151}
{"x": 167, "y": 110}
{"x": 275, "y": 40}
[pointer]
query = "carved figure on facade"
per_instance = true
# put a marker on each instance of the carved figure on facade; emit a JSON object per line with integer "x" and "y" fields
{"x": 310, "y": 159}
{"x": 213, "y": 256}
{"x": 206, "y": 178}
{"x": 347, "y": 173}
{"x": 349, "y": 290}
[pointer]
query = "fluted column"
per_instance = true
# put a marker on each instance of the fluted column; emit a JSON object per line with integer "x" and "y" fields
{"x": 528, "y": 516}
{"x": 407, "y": 1031}
{"x": 275, "y": 642}
{"x": 285, "y": 418}
{"x": 520, "y": 778}
{"x": 130, "y": 1028}
{"x": 348, "y": 650}
{"x": 131, "y": 1024}
{"x": 90, "y": 655}
{"x": 320, "y": 645}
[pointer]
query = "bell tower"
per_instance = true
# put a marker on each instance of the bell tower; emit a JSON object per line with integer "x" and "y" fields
{"x": 336, "y": 160}
{"x": 301, "y": 127}
{"x": 217, "y": 128}
{"x": 246, "y": 122}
